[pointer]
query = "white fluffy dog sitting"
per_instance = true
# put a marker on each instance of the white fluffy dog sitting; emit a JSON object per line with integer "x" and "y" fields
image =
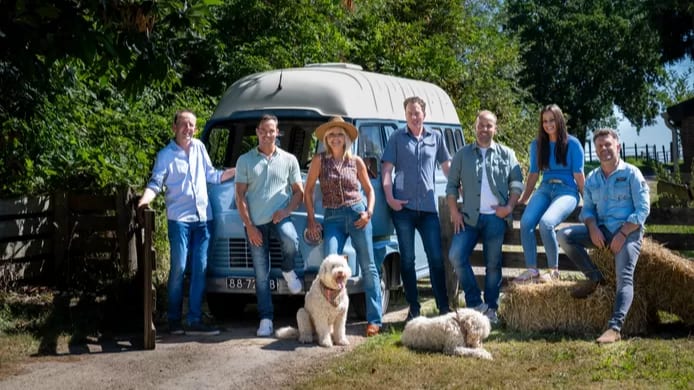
{"x": 458, "y": 333}
{"x": 325, "y": 306}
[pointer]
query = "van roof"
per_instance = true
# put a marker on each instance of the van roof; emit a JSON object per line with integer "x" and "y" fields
{"x": 333, "y": 89}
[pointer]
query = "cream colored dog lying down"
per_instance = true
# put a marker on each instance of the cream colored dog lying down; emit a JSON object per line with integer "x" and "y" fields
{"x": 325, "y": 306}
{"x": 457, "y": 333}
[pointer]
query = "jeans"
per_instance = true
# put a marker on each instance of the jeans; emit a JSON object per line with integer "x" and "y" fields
{"x": 575, "y": 240}
{"x": 338, "y": 224}
{"x": 548, "y": 207}
{"x": 491, "y": 230}
{"x": 289, "y": 244}
{"x": 427, "y": 224}
{"x": 187, "y": 238}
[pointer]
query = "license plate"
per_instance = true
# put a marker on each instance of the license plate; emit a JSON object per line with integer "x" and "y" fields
{"x": 247, "y": 284}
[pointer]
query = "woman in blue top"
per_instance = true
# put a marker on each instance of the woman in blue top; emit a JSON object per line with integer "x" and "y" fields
{"x": 559, "y": 156}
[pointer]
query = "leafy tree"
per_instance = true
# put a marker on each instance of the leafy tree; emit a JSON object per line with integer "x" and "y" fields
{"x": 587, "y": 56}
{"x": 456, "y": 45}
{"x": 674, "y": 21}
{"x": 257, "y": 35}
{"x": 131, "y": 43}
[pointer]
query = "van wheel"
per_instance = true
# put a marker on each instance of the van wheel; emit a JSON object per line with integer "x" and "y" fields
{"x": 357, "y": 302}
{"x": 226, "y": 306}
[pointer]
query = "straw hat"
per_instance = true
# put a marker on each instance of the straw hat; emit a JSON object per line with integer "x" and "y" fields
{"x": 337, "y": 121}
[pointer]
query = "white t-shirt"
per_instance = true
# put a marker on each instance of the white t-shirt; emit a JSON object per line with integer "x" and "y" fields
{"x": 487, "y": 197}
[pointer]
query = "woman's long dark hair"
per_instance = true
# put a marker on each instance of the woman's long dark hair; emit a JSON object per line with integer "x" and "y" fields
{"x": 562, "y": 145}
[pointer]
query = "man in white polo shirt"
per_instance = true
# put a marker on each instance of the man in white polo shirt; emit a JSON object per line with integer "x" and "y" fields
{"x": 264, "y": 177}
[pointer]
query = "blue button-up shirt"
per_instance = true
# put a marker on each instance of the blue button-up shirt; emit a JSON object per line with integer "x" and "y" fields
{"x": 621, "y": 197}
{"x": 184, "y": 179}
{"x": 414, "y": 162}
{"x": 503, "y": 173}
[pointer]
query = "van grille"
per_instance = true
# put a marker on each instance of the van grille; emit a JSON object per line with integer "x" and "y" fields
{"x": 238, "y": 252}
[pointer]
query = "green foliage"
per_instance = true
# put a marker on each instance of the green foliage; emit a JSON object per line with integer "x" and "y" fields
{"x": 255, "y": 35}
{"x": 90, "y": 137}
{"x": 132, "y": 43}
{"x": 587, "y": 56}
{"x": 456, "y": 45}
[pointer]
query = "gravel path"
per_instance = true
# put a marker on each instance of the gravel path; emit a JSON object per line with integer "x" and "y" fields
{"x": 235, "y": 359}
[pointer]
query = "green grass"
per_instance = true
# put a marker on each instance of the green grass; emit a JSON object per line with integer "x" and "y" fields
{"x": 521, "y": 361}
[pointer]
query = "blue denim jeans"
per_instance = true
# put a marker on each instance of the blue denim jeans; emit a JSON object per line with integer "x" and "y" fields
{"x": 338, "y": 225}
{"x": 548, "y": 207}
{"x": 187, "y": 238}
{"x": 427, "y": 224}
{"x": 575, "y": 240}
{"x": 289, "y": 244}
{"x": 491, "y": 230}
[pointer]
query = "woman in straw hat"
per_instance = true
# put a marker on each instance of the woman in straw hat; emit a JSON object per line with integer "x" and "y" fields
{"x": 347, "y": 212}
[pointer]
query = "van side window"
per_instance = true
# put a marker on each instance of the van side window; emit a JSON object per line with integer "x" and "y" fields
{"x": 450, "y": 141}
{"x": 459, "y": 140}
{"x": 218, "y": 143}
{"x": 370, "y": 148}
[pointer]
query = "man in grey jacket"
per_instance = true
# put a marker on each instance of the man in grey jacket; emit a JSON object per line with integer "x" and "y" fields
{"x": 490, "y": 180}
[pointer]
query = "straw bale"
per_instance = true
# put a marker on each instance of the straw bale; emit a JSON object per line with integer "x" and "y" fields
{"x": 550, "y": 307}
{"x": 663, "y": 277}
{"x": 663, "y": 281}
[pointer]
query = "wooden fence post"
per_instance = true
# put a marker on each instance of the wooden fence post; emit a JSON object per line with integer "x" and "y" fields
{"x": 61, "y": 221}
{"x": 149, "y": 295}
{"x": 124, "y": 231}
{"x": 446, "y": 237}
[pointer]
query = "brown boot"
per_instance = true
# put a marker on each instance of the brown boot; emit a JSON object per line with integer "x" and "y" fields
{"x": 584, "y": 289}
{"x": 372, "y": 330}
{"x": 610, "y": 336}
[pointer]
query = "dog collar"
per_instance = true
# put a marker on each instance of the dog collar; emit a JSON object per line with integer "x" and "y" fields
{"x": 330, "y": 294}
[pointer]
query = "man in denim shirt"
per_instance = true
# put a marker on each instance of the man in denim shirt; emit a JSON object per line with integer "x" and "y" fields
{"x": 491, "y": 182}
{"x": 183, "y": 168}
{"x": 414, "y": 152}
{"x": 616, "y": 203}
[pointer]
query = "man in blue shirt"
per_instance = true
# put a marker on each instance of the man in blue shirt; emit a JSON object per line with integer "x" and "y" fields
{"x": 268, "y": 189}
{"x": 414, "y": 152}
{"x": 183, "y": 169}
{"x": 490, "y": 180}
{"x": 616, "y": 203}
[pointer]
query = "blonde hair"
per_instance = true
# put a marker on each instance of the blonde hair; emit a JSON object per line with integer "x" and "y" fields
{"x": 348, "y": 141}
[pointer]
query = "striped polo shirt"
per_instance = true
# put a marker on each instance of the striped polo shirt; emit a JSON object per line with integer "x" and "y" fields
{"x": 269, "y": 182}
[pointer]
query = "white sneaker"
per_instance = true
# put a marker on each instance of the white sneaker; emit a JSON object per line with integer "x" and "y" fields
{"x": 491, "y": 314}
{"x": 293, "y": 282}
{"x": 482, "y": 308}
{"x": 265, "y": 328}
{"x": 549, "y": 276}
{"x": 530, "y": 275}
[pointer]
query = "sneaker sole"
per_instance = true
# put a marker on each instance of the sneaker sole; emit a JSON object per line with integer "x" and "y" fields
{"x": 201, "y": 333}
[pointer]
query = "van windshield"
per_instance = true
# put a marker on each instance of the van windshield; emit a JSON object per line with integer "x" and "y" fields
{"x": 227, "y": 141}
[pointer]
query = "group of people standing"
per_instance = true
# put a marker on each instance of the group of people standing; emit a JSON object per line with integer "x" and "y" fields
{"x": 484, "y": 174}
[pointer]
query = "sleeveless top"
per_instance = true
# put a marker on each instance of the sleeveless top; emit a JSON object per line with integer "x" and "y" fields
{"x": 338, "y": 182}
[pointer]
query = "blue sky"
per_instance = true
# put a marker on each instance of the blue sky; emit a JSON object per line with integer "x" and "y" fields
{"x": 657, "y": 134}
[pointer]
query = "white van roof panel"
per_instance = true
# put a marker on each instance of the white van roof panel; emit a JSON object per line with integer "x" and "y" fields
{"x": 334, "y": 89}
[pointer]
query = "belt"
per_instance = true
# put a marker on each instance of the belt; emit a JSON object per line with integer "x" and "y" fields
{"x": 555, "y": 181}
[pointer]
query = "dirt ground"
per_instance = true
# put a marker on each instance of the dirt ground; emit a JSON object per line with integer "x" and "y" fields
{"x": 235, "y": 359}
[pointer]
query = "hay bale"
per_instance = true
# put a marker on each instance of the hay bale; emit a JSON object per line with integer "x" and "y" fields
{"x": 663, "y": 278}
{"x": 550, "y": 307}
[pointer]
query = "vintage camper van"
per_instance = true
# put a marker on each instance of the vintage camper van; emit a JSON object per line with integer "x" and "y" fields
{"x": 302, "y": 99}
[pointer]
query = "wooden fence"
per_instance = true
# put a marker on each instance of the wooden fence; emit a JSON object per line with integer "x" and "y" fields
{"x": 513, "y": 256}
{"x": 42, "y": 237}
{"x": 661, "y": 154}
